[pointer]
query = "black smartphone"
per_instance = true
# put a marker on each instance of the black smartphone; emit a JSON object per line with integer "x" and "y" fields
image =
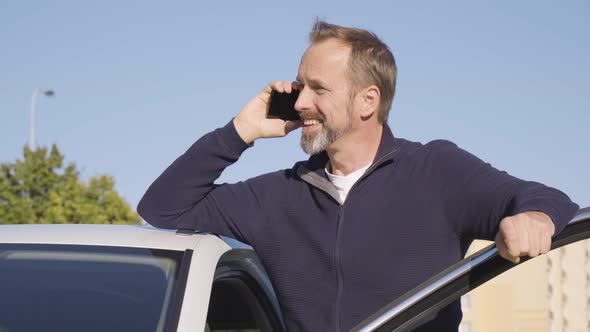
{"x": 282, "y": 106}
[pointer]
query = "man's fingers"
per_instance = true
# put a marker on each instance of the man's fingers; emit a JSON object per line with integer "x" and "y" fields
{"x": 527, "y": 233}
{"x": 279, "y": 86}
{"x": 283, "y": 86}
{"x": 544, "y": 243}
{"x": 545, "y": 238}
{"x": 534, "y": 242}
{"x": 288, "y": 87}
{"x": 276, "y": 85}
{"x": 523, "y": 236}
{"x": 510, "y": 237}
{"x": 503, "y": 249}
{"x": 269, "y": 87}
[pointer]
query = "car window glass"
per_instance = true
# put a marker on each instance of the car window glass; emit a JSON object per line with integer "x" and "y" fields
{"x": 85, "y": 288}
{"x": 548, "y": 293}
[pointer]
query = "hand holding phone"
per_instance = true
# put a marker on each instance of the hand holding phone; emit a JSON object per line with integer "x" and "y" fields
{"x": 254, "y": 120}
{"x": 281, "y": 105}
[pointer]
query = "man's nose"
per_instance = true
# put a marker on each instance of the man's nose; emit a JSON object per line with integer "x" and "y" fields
{"x": 303, "y": 102}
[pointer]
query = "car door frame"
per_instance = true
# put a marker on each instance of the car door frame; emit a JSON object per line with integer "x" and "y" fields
{"x": 423, "y": 302}
{"x": 214, "y": 258}
{"x": 242, "y": 265}
{"x": 191, "y": 305}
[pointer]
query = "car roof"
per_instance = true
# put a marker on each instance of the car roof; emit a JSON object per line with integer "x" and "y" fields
{"x": 101, "y": 235}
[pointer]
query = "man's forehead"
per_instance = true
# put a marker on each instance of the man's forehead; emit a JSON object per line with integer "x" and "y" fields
{"x": 323, "y": 58}
{"x": 311, "y": 80}
{"x": 331, "y": 44}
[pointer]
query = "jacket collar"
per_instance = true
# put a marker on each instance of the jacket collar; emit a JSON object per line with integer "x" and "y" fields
{"x": 313, "y": 172}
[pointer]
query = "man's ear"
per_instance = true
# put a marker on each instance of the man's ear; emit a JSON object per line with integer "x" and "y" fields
{"x": 371, "y": 97}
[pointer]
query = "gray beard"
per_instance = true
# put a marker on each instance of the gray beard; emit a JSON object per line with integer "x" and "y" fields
{"x": 313, "y": 143}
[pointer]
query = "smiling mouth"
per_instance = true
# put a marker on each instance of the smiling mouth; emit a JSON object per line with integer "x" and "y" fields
{"x": 311, "y": 122}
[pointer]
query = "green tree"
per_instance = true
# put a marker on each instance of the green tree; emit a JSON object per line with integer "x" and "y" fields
{"x": 40, "y": 190}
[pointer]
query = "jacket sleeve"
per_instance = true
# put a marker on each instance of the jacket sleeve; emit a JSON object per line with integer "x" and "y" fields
{"x": 185, "y": 196}
{"x": 477, "y": 196}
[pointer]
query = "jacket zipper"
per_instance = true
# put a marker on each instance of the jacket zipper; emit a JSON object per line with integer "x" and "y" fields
{"x": 337, "y": 259}
{"x": 339, "y": 274}
{"x": 370, "y": 169}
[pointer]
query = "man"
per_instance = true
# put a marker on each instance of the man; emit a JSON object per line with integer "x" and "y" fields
{"x": 368, "y": 216}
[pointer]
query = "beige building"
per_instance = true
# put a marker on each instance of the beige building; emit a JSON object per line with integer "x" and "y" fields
{"x": 548, "y": 293}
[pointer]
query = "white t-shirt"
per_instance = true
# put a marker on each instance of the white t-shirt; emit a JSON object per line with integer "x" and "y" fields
{"x": 344, "y": 183}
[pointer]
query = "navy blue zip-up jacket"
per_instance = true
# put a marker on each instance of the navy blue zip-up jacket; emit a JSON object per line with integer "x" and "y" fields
{"x": 413, "y": 213}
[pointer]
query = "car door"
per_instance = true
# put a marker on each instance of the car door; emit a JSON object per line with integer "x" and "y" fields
{"x": 423, "y": 302}
{"x": 242, "y": 297}
{"x": 223, "y": 287}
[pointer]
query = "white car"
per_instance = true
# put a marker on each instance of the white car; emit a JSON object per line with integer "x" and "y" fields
{"x": 129, "y": 278}
{"x": 138, "y": 278}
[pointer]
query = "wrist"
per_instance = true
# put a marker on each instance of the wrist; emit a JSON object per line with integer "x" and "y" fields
{"x": 246, "y": 133}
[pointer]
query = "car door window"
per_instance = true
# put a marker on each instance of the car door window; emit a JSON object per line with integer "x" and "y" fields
{"x": 86, "y": 288}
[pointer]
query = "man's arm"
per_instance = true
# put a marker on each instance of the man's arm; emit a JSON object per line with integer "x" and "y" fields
{"x": 483, "y": 202}
{"x": 185, "y": 196}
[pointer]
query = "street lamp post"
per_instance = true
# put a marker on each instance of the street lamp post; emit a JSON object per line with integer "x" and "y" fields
{"x": 36, "y": 92}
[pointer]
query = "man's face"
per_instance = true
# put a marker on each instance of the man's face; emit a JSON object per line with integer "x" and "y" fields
{"x": 325, "y": 103}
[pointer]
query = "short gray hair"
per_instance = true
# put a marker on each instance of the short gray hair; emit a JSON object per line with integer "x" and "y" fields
{"x": 371, "y": 61}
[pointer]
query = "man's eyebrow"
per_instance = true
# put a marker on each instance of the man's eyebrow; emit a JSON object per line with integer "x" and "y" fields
{"x": 312, "y": 82}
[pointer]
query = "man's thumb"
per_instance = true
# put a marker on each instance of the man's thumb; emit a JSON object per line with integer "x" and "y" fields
{"x": 292, "y": 125}
{"x": 504, "y": 251}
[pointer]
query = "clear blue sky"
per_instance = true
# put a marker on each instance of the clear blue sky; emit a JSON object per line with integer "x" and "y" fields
{"x": 138, "y": 82}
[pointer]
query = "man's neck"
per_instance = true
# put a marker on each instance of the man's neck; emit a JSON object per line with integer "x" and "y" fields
{"x": 354, "y": 151}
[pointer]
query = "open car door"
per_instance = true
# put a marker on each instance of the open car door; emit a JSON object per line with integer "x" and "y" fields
{"x": 421, "y": 304}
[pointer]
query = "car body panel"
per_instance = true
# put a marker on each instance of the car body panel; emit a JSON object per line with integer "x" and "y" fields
{"x": 204, "y": 260}
{"x": 101, "y": 235}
